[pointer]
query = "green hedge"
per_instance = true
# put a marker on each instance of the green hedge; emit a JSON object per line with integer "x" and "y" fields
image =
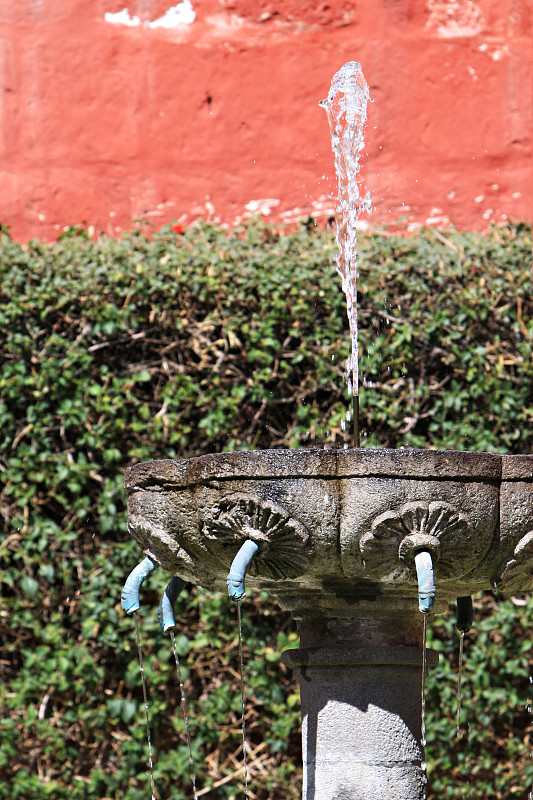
{"x": 176, "y": 345}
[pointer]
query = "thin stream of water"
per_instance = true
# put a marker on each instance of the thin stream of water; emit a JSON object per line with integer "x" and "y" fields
{"x": 530, "y": 709}
{"x": 244, "y": 747}
{"x": 185, "y": 712}
{"x": 423, "y": 694}
{"x": 459, "y": 679}
{"x": 143, "y": 679}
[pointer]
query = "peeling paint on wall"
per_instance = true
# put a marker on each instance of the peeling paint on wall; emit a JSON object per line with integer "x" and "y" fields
{"x": 454, "y": 17}
{"x": 495, "y": 52}
{"x": 174, "y": 17}
{"x": 97, "y": 127}
{"x": 122, "y": 18}
{"x": 181, "y": 14}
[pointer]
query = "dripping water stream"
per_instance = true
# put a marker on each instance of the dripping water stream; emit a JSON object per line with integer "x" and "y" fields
{"x": 459, "y": 680}
{"x": 143, "y": 679}
{"x": 530, "y": 710}
{"x": 185, "y": 712}
{"x": 244, "y": 746}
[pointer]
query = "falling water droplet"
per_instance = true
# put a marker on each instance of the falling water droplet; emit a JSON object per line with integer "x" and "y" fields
{"x": 459, "y": 679}
{"x": 145, "y": 697}
{"x": 185, "y": 712}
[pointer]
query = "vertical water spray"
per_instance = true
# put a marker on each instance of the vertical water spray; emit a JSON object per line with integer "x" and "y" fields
{"x": 346, "y": 106}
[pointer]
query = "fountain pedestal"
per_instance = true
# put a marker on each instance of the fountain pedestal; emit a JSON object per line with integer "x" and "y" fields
{"x": 336, "y": 535}
{"x": 361, "y": 710}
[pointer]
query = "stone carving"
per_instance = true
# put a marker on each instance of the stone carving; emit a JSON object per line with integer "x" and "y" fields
{"x": 166, "y": 551}
{"x": 283, "y": 541}
{"x": 388, "y": 549}
{"x": 517, "y": 571}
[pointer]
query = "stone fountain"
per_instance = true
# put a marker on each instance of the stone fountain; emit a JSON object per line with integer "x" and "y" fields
{"x": 337, "y": 537}
{"x": 337, "y": 532}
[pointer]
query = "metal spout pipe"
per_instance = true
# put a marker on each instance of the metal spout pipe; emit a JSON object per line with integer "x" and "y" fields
{"x": 465, "y": 613}
{"x": 165, "y": 610}
{"x": 426, "y": 581}
{"x": 129, "y": 597}
{"x": 239, "y": 565}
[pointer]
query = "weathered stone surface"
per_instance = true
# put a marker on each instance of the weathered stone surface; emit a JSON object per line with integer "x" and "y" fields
{"x": 361, "y": 712}
{"x": 337, "y": 532}
{"x": 337, "y": 528}
{"x": 514, "y": 575}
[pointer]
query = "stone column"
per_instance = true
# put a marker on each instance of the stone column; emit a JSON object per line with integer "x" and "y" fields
{"x": 361, "y": 711}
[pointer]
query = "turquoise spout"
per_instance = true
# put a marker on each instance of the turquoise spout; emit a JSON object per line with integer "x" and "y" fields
{"x": 165, "y": 611}
{"x": 129, "y": 597}
{"x": 426, "y": 582}
{"x": 465, "y": 613}
{"x": 239, "y": 565}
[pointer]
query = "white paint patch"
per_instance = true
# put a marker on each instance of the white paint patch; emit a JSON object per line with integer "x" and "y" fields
{"x": 263, "y": 207}
{"x": 323, "y": 208}
{"x": 181, "y": 14}
{"x": 293, "y": 215}
{"x": 442, "y": 220}
{"x": 160, "y": 209}
{"x": 494, "y": 52}
{"x": 122, "y": 18}
{"x": 454, "y": 18}
{"x": 174, "y": 17}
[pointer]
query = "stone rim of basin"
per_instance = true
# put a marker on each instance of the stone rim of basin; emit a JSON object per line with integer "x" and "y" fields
{"x": 340, "y": 526}
{"x": 320, "y": 462}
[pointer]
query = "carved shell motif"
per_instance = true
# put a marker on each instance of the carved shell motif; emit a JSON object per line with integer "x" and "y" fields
{"x": 163, "y": 548}
{"x": 517, "y": 572}
{"x": 283, "y": 551}
{"x": 388, "y": 548}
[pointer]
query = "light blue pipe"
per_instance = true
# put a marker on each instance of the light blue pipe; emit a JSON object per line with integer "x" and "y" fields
{"x": 426, "y": 582}
{"x": 165, "y": 611}
{"x": 129, "y": 597}
{"x": 239, "y": 565}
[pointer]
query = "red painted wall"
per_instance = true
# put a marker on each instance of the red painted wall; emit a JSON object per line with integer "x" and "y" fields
{"x": 105, "y": 122}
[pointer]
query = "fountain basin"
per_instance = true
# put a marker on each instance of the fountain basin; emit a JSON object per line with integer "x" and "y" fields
{"x": 338, "y": 526}
{"x": 337, "y": 534}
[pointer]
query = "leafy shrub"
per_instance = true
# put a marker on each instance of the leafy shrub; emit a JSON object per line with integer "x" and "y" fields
{"x": 172, "y": 346}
